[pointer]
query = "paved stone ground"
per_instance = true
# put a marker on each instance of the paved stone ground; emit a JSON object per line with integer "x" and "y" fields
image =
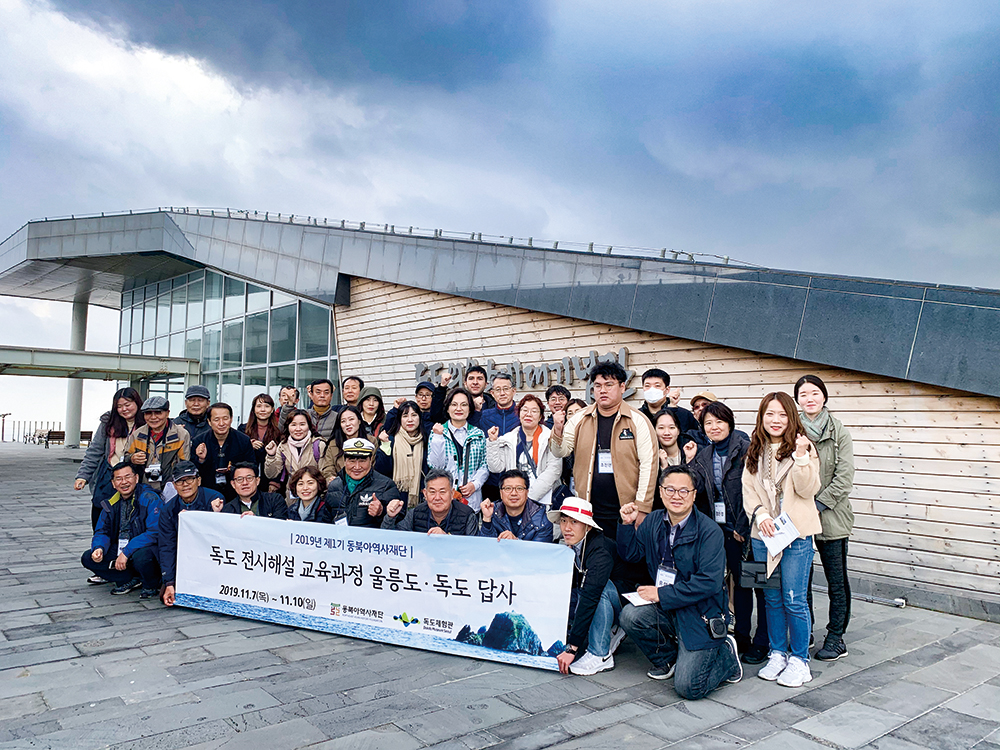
{"x": 82, "y": 669}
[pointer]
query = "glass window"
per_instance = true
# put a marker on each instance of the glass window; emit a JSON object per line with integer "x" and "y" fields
{"x": 314, "y": 331}
{"x": 164, "y": 287}
{"x": 254, "y": 383}
{"x": 137, "y": 322}
{"x": 192, "y": 344}
{"x": 125, "y": 326}
{"x": 212, "y": 383}
{"x": 213, "y": 297}
{"x": 163, "y": 314}
{"x": 149, "y": 324}
{"x": 148, "y": 348}
{"x": 212, "y": 347}
{"x": 126, "y": 299}
{"x": 335, "y": 377}
{"x": 279, "y": 377}
{"x": 177, "y": 344}
{"x": 163, "y": 346}
{"x": 196, "y": 303}
{"x": 256, "y": 346}
{"x": 258, "y": 298}
{"x": 280, "y": 298}
{"x": 230, "y": 392}
{"x": 308, "y": 372}
{"x": 283, "y": 334}
{"x": 235, "y": 303}
{"x": 178, "y": 316}
{"x": 232, "y": 344}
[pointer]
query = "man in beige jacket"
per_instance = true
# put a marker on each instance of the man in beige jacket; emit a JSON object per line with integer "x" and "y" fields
{"x": 615, "y": 447}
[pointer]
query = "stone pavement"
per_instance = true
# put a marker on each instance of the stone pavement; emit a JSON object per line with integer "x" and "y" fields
{"x": 82, "y": 669}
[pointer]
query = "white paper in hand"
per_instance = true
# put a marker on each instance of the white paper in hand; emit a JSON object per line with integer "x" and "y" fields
{"x": 784, "y": 534}
{"x": 634, "y": 598}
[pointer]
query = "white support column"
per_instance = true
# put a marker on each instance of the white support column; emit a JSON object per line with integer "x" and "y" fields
{"x": 74, "y": 386}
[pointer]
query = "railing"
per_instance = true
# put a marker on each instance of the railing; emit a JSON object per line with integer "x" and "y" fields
{"x": 598, "y": 248}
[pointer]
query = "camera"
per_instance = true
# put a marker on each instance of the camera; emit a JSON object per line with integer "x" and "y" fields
{"x": 153, "y": 472}
{"x": 718, "y": 628}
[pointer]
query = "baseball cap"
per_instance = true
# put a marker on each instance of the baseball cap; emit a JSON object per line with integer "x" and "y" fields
{"x": 198, "y": 391}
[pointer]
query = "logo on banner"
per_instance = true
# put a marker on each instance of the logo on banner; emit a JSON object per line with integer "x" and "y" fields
{"x": 406, "y": 620}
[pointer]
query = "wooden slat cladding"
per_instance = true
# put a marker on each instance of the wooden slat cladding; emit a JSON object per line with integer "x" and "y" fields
{"x": 928, "y": 459}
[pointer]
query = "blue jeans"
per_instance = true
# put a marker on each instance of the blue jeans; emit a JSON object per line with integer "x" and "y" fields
{"x": 788, "y": 621}
{"x": 697, "y": 673}
{"x": 605, "y": 617}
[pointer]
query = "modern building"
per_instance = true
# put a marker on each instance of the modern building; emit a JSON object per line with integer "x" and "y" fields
{"x": 262, "y": 300}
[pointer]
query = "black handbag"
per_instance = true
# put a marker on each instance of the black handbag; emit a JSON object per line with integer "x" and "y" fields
{"x": 753, "y": 575}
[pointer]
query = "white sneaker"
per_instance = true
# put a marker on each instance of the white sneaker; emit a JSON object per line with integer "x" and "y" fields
{"x": 589, "y": 664}
{"x": 617, "y": 636}
{"x": 776, "y": 664}
{"x": 796, "y": 674}
{"x": 738, "y": 675}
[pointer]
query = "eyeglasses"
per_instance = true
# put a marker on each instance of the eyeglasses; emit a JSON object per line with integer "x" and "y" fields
{"x": 513, "y": 489}
{"x": 244, "y": 480}
{"x": 681, "y": 492}
{"x": 504, "y": 389}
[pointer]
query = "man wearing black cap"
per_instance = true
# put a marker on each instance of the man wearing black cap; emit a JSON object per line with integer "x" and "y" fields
{"x": 249, "y": 500}
{"x": 359, "y": 495}
{"x": 190, "y": 496}
{"x": 424, "y": 398}
{"x": 154, "y": 448}
{"x": 194, "y": 418}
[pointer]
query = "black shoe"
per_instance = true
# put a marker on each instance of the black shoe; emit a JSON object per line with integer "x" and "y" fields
{"x": 149, "y": 593}
{"x": 96, "y": 580}
{"x": 812, "y": 640}
{"x": 661, "y": 673}
{"x": 124, "y": 588}
{"x": 755, "y": 655}
{"x": 833, "y": 649}
{"x": 737, "y": 674}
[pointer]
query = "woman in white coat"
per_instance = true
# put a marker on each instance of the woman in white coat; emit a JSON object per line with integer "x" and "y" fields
{"x": 527, "y": 449}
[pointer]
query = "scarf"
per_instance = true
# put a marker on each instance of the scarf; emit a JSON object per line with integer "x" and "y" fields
{"x": 815, "y": 427}
{"x": 295, "y": 448}
{"x": 407, "y": 462}
{"x": 522, "y": 446}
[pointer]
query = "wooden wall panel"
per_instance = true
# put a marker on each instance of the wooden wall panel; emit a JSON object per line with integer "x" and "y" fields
{"x": 928, "y": 458}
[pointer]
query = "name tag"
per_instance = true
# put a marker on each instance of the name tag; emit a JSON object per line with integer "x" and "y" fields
{"x": 720, "y": 512}
{"x": 122, "y": 544}
{"x": 220, "y": 477}
{"x": 341, "y": 522}
{"x": 665, "y": 576}
{"x": 604, "y": 462}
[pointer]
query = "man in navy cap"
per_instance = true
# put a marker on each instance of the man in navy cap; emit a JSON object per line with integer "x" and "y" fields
{"x": 190, "y": 496}
{"x": 194, "y": 418}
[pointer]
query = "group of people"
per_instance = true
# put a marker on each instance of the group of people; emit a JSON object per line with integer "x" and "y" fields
{"x": 663, "y": 506}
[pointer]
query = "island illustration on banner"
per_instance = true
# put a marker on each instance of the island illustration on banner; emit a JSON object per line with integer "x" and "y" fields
{"x": 503, "y": 601}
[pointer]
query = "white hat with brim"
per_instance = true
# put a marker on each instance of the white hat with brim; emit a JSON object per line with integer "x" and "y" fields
{"x": 577, "y": 509}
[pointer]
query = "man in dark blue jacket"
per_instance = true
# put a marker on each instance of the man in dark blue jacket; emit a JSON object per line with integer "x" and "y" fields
{"x": 515, "y": 517}
{"x": 504, "y": 417}
{"x": 220, "y": 450}
{"x": 359, "y": 495}
{"x": 123, "y": 549}
{"x": 250, "y": 500}
{"x": 683, "y": 631}
{"x": 190, "y": 496}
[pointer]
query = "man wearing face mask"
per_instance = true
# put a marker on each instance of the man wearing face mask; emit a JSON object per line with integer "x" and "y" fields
{"x": 657, "y": 394}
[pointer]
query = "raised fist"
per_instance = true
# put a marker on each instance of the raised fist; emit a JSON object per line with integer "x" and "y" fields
{"x": 271, "y": 448}
{"x": 487, "y": 509}
{"x": 802, "y": 445}
{"x": 394, "y": 507}
{"x": 664, "y": 459}
{"x": 201, "y": 452}
{"x": 674, "y": 394}
{"x": 383, "y": 436}
{"x": 690, "y": 450}
{"x": 438, "y": 429}
{"x": 494, "y": 433}
{"x": 629, "y": 513}
{"x": 558, "y": 420}
{"x": 217, "y": 505}
{"x": 445, "y": 379}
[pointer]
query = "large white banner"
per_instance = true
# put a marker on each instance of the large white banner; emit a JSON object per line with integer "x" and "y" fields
{"x": 501, "y": 600}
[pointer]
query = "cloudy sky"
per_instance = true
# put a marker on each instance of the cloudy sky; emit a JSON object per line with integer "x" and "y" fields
{"x": 855, "y": 138}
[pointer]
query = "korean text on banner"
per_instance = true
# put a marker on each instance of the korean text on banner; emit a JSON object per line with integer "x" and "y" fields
{"x": 501, "y": 600}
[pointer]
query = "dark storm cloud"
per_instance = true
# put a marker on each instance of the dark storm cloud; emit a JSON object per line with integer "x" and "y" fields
{"x": 447, "y": 43}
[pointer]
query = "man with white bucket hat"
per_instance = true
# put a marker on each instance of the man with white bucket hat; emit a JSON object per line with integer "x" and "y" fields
{"x": 594, "y": 602}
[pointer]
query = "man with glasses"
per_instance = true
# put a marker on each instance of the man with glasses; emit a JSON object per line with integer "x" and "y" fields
{"x": 516, "y": 517}
{"x": 615, "y": 448}
{"x": 249, "y": 500}
{"x": 683, "y": 630}
{"x": 190, "y": 496}
{"x": 504, "y": 417}
{"x": 123, "y": 549}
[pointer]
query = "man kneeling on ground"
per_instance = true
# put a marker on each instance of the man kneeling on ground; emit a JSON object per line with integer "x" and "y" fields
{"x": 190, "y": 496}
{"x": 439, "y": 513}
{"x": 684, "y": 629}
{"x": 594, "y": 602}
{"x": 123, "y": 550}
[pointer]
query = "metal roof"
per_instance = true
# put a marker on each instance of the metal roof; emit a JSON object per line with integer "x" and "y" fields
{"x": 941, "y": 335}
